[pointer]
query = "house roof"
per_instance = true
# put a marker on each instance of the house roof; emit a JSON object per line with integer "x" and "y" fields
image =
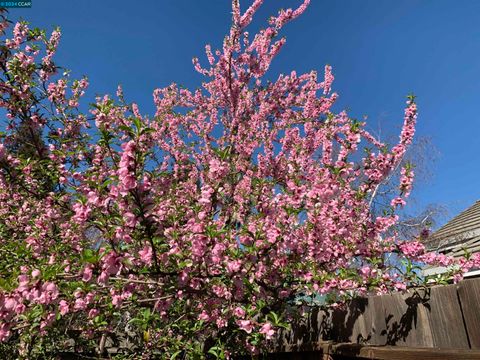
{"x": 459, "y": 235}
{"x": 462, "y": 232}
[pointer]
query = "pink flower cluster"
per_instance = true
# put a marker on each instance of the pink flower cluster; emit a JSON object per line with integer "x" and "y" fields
{"x": 126, "y": 175}
{"x": 31, "y": 290}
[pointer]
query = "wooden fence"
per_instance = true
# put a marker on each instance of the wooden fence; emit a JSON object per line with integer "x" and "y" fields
{"x": 421, "y": 320}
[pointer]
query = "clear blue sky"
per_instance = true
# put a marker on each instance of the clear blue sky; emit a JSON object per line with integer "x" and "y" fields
{"x": 380, "y": 50}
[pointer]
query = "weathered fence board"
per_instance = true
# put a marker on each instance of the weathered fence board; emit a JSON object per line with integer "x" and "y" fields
{"x": 469, "y": 295}
{"x": 446, "y": 318}
{"x": 402, "y": 314}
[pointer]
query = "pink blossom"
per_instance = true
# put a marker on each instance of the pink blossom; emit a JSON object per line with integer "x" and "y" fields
{"x": 234, "y": 266}
{"x": 146, "y": 255}
{"x": 328, "y": 79}
{"x": 117, "y": 300}
{"x": 245, "y": 325}
{"x": 111, "y": 263}
{"x": 80, "y": 304}
{"x": 92, "y": 313}
{"x": 203, "y": 316}
{"x": 10, "y": 304}
{"x": 4, "y": 331}
{"x": 130, "y": 219}
{"x": 412, "y": 248}
{"x": 87, "y": 273}
{"x": 82, "y": 212}
{"x": 64, "y": 308}
{"x": 20, "y": 309}
{"x": 398, "y": 201}
{"x": 267, "y": 330}
{"x": 93, "y": 198}
{"x": 103, "y": 278}
{"x": 239, "y": 312}
{"x": 400, "y": 286}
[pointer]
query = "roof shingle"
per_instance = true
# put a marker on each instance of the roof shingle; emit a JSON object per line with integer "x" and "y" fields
{"x": 463, "y": 231}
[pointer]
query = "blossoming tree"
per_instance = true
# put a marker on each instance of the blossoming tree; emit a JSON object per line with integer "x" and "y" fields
{"x": 197, "y": 225}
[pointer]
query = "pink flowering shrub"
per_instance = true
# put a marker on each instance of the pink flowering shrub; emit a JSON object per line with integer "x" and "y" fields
{"x": 202, "y": 222}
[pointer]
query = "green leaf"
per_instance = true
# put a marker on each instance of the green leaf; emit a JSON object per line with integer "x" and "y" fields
{"x": 137, "y": 123}
{"x": 175, "y": 354}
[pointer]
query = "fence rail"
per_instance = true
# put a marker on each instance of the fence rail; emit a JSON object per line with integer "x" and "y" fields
{"x": 331, "y": 351}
